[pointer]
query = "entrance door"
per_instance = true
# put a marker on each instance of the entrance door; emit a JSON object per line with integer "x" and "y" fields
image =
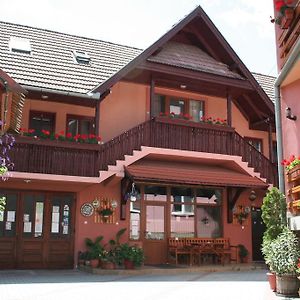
{"x": 36, "y": 231}
{"x": 155, "y": 245}
{"x": 258, "y": 228}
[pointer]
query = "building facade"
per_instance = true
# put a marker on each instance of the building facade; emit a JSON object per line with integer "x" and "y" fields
{"x": 187, "y": 134}
{"x": 287, "y": 87}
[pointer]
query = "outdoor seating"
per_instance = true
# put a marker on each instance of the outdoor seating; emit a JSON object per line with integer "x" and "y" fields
{"x": 200, "y": 250}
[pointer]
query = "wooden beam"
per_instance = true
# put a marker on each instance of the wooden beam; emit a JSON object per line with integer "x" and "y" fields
{"x": 258, "y": 112}
{"x": 97, "y": 118}
{"x": 196, "y": 75}
{"x": 233, "y": 195}
{"x": 271, "y": 158}
{"x": 229, "y": 109}
{"x": 152, "y": 95}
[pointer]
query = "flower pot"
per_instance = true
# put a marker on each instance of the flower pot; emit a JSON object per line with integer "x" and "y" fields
{"x": 94, "y": 263}
{"x": 107, "y": 265}
{"x": 287, "y": 285}
{"x": 272, "y": 281}
{"x": 128, "y": 264}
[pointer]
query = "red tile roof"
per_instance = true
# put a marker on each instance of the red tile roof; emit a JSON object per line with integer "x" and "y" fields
{"x": 187, "y": 173}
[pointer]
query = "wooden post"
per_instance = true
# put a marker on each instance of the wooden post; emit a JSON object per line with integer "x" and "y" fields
{"x": 152, "y": 86}
{"x": 229, "y": 109}
{"x": 97, "y": 117}
{"x": 270, "y": 141}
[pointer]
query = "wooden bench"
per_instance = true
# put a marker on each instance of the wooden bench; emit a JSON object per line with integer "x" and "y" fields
{"x": 199, "y": 248}
{"x": 177, "y": 246}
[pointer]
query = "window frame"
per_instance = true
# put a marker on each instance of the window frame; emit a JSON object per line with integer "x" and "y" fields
{"x": 178, "y": 98}
{"x": 33, "y": 113}
{"x": 249, "y": 139}
{"x": 81, "y": 118}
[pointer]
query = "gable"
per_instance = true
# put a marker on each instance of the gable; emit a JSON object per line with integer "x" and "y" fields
{"x": 191, "y": 57}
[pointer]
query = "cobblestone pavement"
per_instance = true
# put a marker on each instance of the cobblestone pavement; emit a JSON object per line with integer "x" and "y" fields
{"x": 76, "y": 285}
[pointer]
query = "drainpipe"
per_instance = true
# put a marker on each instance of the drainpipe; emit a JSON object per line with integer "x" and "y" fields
{"x": 282, "y": 75}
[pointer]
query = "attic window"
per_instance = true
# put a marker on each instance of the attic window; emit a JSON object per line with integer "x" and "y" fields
{"x": 20, "y": 45}
{"x": 81, "y": 57}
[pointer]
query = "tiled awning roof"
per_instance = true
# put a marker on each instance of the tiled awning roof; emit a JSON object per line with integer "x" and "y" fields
{"x": 188, "y": 173}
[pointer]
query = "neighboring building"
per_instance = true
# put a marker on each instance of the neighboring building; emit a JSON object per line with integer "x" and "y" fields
{"x": 287, "y": 89}
{"x": 194, "y": 177}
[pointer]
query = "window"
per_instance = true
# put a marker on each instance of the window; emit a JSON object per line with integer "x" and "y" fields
{"x": 41, "y": 121}
{"x": 20, "y": 45}
{"x": 80, "y": 125}
{"x": 182, "y": 201}
{"x": 81, "y": 57}
{"x": 178, "y": 107}
{"x": 208, "y": 214}
{"x": 256, "y": 143}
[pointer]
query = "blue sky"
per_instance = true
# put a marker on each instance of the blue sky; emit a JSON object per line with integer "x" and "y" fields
{"x": 245, "y": 24}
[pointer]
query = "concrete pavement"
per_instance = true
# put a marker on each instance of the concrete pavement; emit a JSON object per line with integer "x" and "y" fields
{"x": 77, "y": 285}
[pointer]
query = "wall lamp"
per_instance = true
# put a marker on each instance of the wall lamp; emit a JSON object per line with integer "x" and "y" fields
{"x": 289, "y": 115}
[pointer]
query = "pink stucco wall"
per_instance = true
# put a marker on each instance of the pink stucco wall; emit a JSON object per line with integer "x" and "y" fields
{"x": 290, "y": 128}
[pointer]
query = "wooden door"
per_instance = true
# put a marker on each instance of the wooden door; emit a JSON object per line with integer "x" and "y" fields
{"x": 37, "y": 231}
{"x": 258, "y": 228}
{"x": 155, "y": 244}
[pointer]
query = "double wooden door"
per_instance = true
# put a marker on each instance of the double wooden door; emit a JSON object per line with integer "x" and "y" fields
{"x": 37, "y": 230}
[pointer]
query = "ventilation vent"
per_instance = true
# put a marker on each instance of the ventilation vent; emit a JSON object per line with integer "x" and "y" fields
{"x": 20, "y": 45}
{"x": 81, "y": 57}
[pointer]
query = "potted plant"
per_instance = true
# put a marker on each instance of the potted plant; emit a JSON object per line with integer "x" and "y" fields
{"x": 243, "y": 253}
{"x": 131, "y": 256}
{"x": 274, "y": 217}
{"x": 94, "y": 250}
{"x": 283, "y": 256}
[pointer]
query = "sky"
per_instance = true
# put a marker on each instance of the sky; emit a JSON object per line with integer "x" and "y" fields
{"x": 244, "y": 24}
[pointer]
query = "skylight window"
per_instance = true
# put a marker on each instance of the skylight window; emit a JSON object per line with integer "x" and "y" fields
{"x": 81, "y": 57}
{"x": 21, "y": 45}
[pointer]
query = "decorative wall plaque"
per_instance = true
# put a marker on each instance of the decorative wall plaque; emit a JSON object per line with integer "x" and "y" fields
{"x": 87, "y": 209}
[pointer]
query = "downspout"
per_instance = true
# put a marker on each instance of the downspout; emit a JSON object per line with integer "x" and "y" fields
{"x": 282, "y": 75}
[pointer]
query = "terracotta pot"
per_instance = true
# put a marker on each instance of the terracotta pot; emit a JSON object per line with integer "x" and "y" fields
{"x": 272, "y": 281}
{"x": 128, "y": 265}
{"x": 94, "y": 263}
{"x": 287, "y": 285}
{"x": 107, "y": 265}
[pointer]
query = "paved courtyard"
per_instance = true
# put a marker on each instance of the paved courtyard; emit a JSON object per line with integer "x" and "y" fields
{"x": 77, "y": 285}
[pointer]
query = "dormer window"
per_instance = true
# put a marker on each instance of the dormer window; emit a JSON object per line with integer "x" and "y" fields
{"x": 21, "y": 45}
{"x": 81, "y": 57}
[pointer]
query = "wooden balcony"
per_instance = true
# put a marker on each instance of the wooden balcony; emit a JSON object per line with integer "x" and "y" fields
{"x": 288, "y": 35}
{"x": 55, "y": 157}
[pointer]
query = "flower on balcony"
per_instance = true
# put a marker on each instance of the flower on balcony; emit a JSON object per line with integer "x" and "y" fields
{"x": 291, "y": 163}
{"x": 172, "y": 115}
{"x": 285, "y": 13}
{"x": 217, "y": 121}
{"x": 61, "y": 136}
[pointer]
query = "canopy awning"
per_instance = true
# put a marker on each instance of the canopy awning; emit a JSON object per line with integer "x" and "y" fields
{"x": 188, "y": 173}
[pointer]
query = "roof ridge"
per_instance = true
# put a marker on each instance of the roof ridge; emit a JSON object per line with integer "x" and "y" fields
{"x": 69, "y": 34}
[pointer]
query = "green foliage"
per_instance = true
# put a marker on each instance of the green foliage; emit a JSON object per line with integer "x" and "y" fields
{"x": 94, "y": 247}
{"x": 2, "y": 203}
{"x": 283, "y": 253}
{"x": 273, "y": 214}
{"x": 132, "y": 253}
{"x": 243, "y": 252}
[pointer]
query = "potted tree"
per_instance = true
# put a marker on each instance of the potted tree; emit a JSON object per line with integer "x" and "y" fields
{"x": 283, "y": 256}
{"x": 274, "y": 217}
{"x": 243, "y": 253}
{"x": 131, "y": 256}
{"x": 94, "y": 250}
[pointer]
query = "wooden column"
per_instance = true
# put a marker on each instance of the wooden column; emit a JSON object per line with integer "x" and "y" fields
{"x": 229, "y": 109}
{"x": 97, "y": 118}
{"x": 152, "y": 87}
{"x": 271, "y": 156}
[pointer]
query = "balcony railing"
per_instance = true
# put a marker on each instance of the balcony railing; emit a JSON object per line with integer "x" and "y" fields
{"x": 52, "y": 157}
